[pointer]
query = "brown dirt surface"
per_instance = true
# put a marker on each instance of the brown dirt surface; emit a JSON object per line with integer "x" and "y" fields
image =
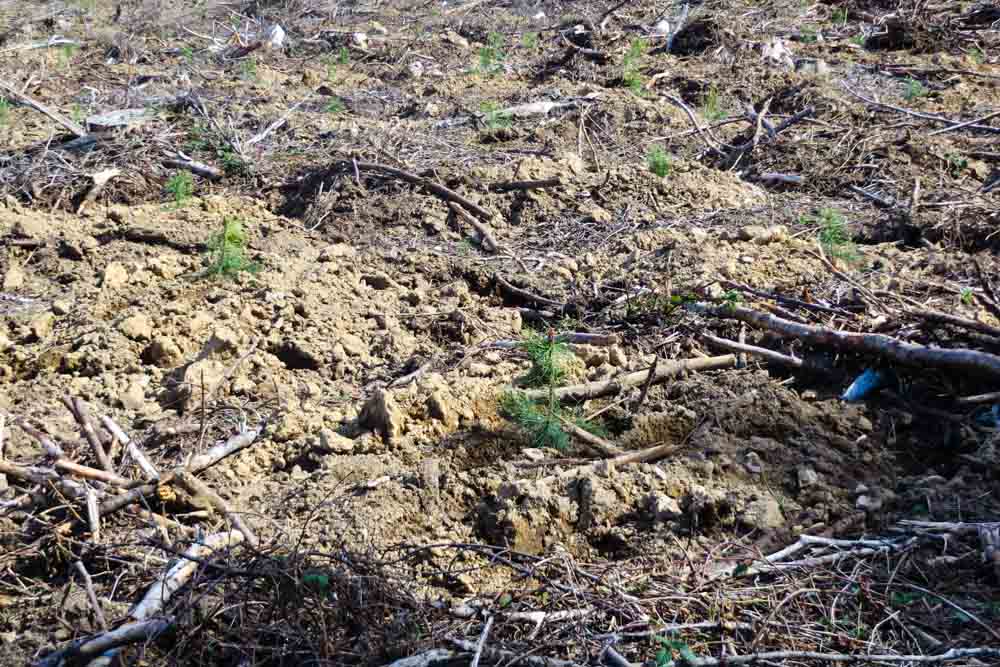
{"x": 374, "y": 334}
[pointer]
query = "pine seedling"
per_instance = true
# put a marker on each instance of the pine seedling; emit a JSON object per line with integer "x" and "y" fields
{"x": 712, "y": 109}
{"x": 658, "y": 161}
{"x": 227, "y": 251}
{"x": 914, "y": 90}
{"x": 834, "y": 236}
{"x": 543, "y": 419}
{"x": 631, "y": 76}
{"x": 491, "y": 56}
{"x": 180, "y": 187}
{"x": 335, "y": 106}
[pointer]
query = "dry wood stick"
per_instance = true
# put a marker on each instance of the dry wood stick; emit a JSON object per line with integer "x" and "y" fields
{"x": 80, "y": 413}
{"x": 918, "y": 114}
{"x": 992, "y": 300}
{"x": 196, "y": 487}
{"x": 88, "y": 647}
{"x": 772, "y": 656}
{"x": 173, "y": 579}
{"x": 507, "y": 186}
{"x": 485, "y": 235}
{"x": 93, "y": 516}
{"x": 947, "y": 318}
{"x": 769, "y": 355}
{"x": 951, "y": 128}
{"x": 526, "y": 295}
{"x": 430, "y": 186}
{"x": 148, "y": 469}
{"x": 21, "y": 98}
{"x": 667, "y": 370}
{"x": 51, "y": 448}
{"x": 595, "y": 441}
{"x": 88, "y": 584}
{"x": 500, "y": 655}
{"x": 908, "y": 354}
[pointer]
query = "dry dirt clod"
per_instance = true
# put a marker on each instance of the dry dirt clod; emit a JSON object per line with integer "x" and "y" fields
{"x": 383, "y": 415}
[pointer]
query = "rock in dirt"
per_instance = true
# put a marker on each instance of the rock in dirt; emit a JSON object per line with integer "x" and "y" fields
{"x": 115, "y": 276}
{"x": 41, "y": 325}
{"x": 163, "y": 352}
{"x": 334, "y": 443}
{"x": 764, "y": 513}
{"x": 381, "y": 414}
{"x": 13, "y": 279}
{"x": 61, "y": 307}
{"x": 807, "y": 477}
{"x": 30, "y": 227}
{"x": 663, "y": 508}
{"x": 137, "y": 327}
{"x": 201, "y": 379}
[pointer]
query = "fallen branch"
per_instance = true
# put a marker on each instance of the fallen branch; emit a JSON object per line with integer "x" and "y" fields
{"x": 500, "y": 655}
{"x": 13, "y": 94}
{"x": 665, "y": 371}
{"x": 430, "y": 186}
{"x": 526, "y": 295}
{"x": 918, "y": 114}
{"x": 952, "y": 654}
{"x": 198, "y": 488}
{"x": 527, "y": 185}
{"x": 130, "y": 633}
{"x": 485, "y": 235}
{"x": 199, "y": 168}
{"x": 908, "y": 354}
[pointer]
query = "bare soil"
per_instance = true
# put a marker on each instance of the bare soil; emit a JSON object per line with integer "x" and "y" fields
{"x": 362, "y": 279}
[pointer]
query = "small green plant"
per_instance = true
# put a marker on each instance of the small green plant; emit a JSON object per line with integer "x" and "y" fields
{"x": 543, "y": 419}
{"x": 967, "y": 296}
{"x": 834, "y": 236}
{"x": 494, "y": 117}
{"x": 78, "y": 114}
{"x": 978, "y": 55}
{"x": 631, "y": 76}
{"x": 187, "y": 53}
{"x": 712, "y": 109}
{"x": 530, "y": 40}
{"x": 491, "y": 56}
{"x": 331, "y": 67}
{"x": 5, "y": 107}
{"x": 839, "y": 15}
{"x": 343, "y": 56}
{"x": 808, "y": 36}
{"x": 227, "y": 251}
{"x": 914, "y": 90}
{"x": 335, "y": 106}
{"x": 658, "y": 161}
{"x": 248, "y": 68}
{"x": 66, "y": 53}
{"x": 956, "y": 165}
{"x": 232, "y": 163}
{"x": 860, "y": 39}
{"x": 665, "y": 656}
{"x": 180, "y": 187}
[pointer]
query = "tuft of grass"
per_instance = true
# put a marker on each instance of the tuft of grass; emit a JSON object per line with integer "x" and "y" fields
{"x": 187, "y": 53}
{"x": 712, "y": 109}
{"x": 335, "y": 106}
{"x": 808, "y": 36}
{"x": 494, "y": 117}
{"x": 491, "y": 55}
{"x": 914, "y": 90}
{"x": 343, "y": 56}
{"x": 530, "y": 40}
{"x": 180, "y": 187}
{"x": 839, "y": 15}
{"x": 658, "y": 161}
{"x": 859, "y": 39}
{"x": 227, "y": 251}
{"x": 5, "y": 108}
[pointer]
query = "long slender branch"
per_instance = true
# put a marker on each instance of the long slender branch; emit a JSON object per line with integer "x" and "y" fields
{"x": 908, "y": 354}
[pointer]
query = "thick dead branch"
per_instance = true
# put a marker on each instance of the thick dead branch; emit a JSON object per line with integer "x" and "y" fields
{"x": 908, "y": 354}
{"x": 527, "y": 185}
{"x": 526, "y": 295}
{"x": 485, "y": 235}
{"x": 130, "y": 633}
{"x": 665, "y": 371}
{"x": 173, "y": 579}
